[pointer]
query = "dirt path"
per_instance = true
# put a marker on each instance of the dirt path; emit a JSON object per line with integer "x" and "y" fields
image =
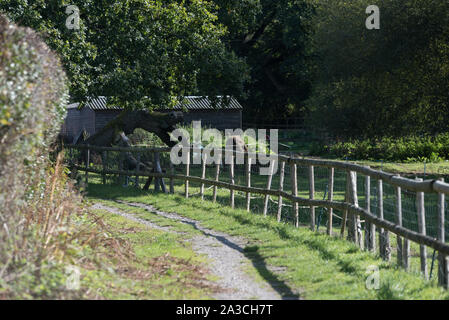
{"x": 225, "y": 252}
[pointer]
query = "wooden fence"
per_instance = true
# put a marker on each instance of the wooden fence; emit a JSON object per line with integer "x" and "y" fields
{"x": 352, "y": 212}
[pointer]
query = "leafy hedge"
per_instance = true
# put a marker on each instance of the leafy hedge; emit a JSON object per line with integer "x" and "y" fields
{"x": 33, "y": 96}
{"x": 36, "y": 199}
{"x": 406, "y": 149}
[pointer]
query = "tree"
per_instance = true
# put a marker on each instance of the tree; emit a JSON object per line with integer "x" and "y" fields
{"x": 143, "y": 53}
{"x": 392, "y": 81}
{"x": 273, "y": 37}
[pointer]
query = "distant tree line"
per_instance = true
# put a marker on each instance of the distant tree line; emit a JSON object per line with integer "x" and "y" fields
{"x": 312, "y": 59}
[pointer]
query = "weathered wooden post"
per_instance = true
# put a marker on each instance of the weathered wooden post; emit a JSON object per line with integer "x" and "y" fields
{"x": 136, "y": 184}
{"x": 270, "y": 179}
{"x": 203, "y": 175}
{"x": 312, "y": 196}
{"x": 217, "y": 177}
{"x": 248, "y": 179}
{"x": 384, "y": 236}
{"x": 187, "y": 174}
{"x": 406, "y": 254}
{"x": 294, "y": 178}
{"x": 443, "y": 265}
{"x": 281, "y": 189}
{"x": 104, "y": 156}
{"x": 172, "y": 181}
{"x": 87, "y": 165}
{"x": 121, "y": 167}
{"x": 330, "y": 197}
{"x": 370, "y": 228}
{"x": 231, "y": 173}
{"x": 157, "y": 169}
{"x": 422, "y": 229}
{"x": 354, "y": 231}
{"x": 345, "y": 212}
{"x": 399, "y": 223}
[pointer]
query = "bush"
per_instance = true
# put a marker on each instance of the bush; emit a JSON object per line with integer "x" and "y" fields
{"x": 37, "y": 202}
{"x": 406, "y": 149}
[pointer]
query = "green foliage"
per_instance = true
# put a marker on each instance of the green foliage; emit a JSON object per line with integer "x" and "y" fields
{"x": 36, "y": 199}
{"x": 273, "y": 37}
{"x": 33, "y": 95}
{"x": 405, "y": 149}
{"x": 145, "y": 138}
{"x": 316, "y": 265}
{"x": 387, "y": 82}
{"x": 136, "y": 49}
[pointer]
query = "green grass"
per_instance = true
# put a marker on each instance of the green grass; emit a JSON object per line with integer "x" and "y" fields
{"x": 314, "y": 264}
{"x": 155, "y": 265}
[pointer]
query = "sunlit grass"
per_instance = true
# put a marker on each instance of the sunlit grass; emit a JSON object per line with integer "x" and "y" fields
{"x": 316, "y": 265}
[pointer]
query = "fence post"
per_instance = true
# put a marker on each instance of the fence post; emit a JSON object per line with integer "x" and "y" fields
{"x": 104, "y": 157}
{"x": 384, "y": 236}
{"x": 270, "y": 179}
{"x": 406, "y": 254}
{"x": 312, "y": 196}
{"x": 399, "y": 222}
{"x": 157, "y": 167}
{"x": 294, "y": 178}
{"x": 231, "y": 173}
{"x": 370, "y": 228}
{"x": 87, "y": 165}
{"x": 203, "y": 175}
{"x": 345, "y": 212}
{"x": 217, "y": 177}
{"x": 137, "y": 170}
{"x": 248, "y": 179}
{"x": 443, "y": 270}
{"x": 172, "y": 181}
{"x": 187, "y": 174}
{"x": 281, "y": 188}
{"x": 330, "y": 198}
{"x": 354, "y": 231}
{"x": 422, "y": 229}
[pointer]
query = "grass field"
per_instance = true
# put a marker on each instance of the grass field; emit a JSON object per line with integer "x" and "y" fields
{"x": 144, "y": 263}
{"x": 319, "y": 266}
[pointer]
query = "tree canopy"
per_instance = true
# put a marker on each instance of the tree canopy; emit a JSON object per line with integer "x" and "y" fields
{"x": 282, "y": 58}
{"x": 143, "y": 53}
{"x": 392, "y": 81}
{"x": 273, "y": 37}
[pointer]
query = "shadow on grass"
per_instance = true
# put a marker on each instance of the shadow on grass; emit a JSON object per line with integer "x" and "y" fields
{"x": 112, "y": 193}
{"x": 316, "y": 242}
{"x": 258, "y": 262}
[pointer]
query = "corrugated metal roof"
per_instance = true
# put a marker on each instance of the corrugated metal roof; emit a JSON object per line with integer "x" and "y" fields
{"x": 100, "y": 103}
{"x": 190, "y": 103}
{"x": 204, "y": 103}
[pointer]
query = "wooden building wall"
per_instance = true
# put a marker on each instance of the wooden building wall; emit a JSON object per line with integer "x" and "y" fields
{"x": 221, "y": 120}
{"x": 78, "y": 120}
{"x": 93, "y": 121}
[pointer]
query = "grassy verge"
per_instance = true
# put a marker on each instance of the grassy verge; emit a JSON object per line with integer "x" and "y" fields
{"x": 319, "y": 266}
{"x": 143, "y": 263}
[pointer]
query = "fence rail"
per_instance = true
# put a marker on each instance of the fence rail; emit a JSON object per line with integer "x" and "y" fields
{"x": 352, "y": 211}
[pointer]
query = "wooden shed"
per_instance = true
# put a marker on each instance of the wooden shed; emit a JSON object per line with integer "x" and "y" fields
{"x": 224, "y": 114}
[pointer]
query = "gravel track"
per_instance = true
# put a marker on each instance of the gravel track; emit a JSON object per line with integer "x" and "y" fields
{"x": 225, "y": 252}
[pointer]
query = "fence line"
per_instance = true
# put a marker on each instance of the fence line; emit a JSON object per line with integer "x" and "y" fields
{"x": 350, "y": 206}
